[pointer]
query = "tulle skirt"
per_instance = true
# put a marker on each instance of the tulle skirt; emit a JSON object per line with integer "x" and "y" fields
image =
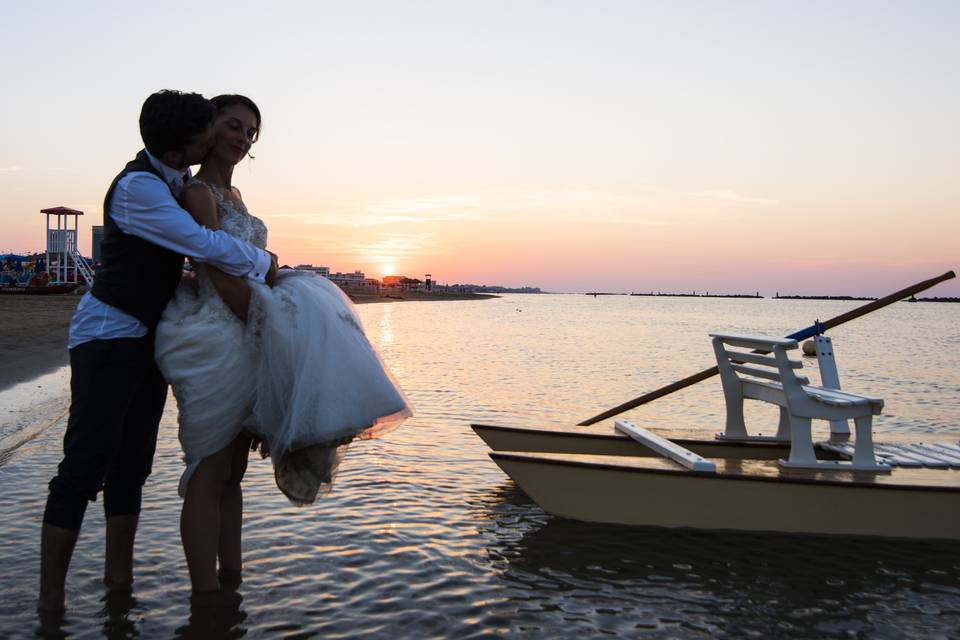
{"x": 300, "y": 375}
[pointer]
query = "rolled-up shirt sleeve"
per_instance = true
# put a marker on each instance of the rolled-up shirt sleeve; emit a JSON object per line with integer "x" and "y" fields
{"x": 143, "y": 206}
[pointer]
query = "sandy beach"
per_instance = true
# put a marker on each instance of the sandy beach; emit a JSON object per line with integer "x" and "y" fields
{"x": 33, "y": 339}
{"x": 34, "y": 336}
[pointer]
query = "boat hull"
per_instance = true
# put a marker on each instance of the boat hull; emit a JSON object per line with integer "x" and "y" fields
{"x": 746, "y": 495}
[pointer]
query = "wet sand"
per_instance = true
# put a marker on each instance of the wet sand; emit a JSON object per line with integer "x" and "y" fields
{"x": 33, "y": 335}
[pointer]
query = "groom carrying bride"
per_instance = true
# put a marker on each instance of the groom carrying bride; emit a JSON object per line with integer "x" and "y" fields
{"x": 117, "y": 391}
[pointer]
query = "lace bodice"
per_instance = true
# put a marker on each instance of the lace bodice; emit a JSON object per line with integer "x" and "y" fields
{"x": 235, "y": 219}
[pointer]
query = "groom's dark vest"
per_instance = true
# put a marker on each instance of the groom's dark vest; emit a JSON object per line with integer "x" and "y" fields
{"x": 134, "y": 275}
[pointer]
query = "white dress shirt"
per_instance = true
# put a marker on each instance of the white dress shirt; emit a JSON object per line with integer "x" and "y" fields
{"x": 143, "y": 206}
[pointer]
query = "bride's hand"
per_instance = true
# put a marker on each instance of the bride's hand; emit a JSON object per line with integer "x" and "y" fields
{"x": 271, "y": 277}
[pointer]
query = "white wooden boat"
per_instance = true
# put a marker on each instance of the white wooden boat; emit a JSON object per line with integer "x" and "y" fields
{"x": 751, "y": 495}
{"x": 843, "y": 485}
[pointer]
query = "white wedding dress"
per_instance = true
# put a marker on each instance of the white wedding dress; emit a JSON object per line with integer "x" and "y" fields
{"x": 300, "y": 374}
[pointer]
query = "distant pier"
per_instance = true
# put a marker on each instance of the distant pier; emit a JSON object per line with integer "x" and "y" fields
{"x": 698, "y": 295}
{"x": 933, "y": 299}
{"x": 777, "y": 296}
{"x": 780, "y": 297}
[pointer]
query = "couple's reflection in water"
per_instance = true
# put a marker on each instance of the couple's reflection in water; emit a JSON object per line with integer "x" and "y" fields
{"x": 119, "y": 614}
{"x": 214, "y": 615}
{"x": 211, "y": 616}
{"x": 629, "y": 580}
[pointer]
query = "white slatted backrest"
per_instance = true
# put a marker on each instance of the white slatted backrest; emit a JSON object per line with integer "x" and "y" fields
{"x": 734, "y": 364}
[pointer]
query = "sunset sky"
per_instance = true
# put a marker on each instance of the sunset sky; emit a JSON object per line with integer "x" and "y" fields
{"x": 800, "y": 147}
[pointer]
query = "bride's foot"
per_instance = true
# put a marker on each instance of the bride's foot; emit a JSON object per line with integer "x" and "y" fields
{"x": 208, "y": 600}
{"x": 51, "y": 622}
{"x": 230, "y": 579}
{"x": 118, "y": 586}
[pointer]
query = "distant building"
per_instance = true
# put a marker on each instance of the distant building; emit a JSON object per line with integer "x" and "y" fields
{"x": 355, "y": 281}
{"x": 411, "y": 284}
{"x": 320, "y": 271}
{"x": 96, "y": 241}
{"x": 402, "y": 283}
{"x": 484, "y": 288}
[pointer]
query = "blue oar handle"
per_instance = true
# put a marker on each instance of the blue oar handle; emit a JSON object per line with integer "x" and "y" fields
{"x": 813, "y": 330}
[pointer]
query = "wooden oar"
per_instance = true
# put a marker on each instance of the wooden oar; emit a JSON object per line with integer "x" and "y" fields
{"x": 816, "y": 328}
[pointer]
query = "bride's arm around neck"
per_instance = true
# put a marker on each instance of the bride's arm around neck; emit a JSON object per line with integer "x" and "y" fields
{"x": 198, "y": 200}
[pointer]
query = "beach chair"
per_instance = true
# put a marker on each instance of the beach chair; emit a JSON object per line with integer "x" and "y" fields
{"x": 763, "y": 371}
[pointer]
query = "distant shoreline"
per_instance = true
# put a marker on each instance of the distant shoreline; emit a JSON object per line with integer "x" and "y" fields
{"x": 676, "y": 295}
{"x": 933, "y": 299}
{"x": 779, "y": 297}
{"x": 758, "y": 296}
{"x": 698, "y": 295}
{"x": 416, "y": 296}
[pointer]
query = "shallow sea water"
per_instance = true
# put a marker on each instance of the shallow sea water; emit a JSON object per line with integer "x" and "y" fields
{"x": 424, "y": 537}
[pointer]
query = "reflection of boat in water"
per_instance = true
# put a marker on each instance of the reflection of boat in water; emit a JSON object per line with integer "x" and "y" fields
{"x": 638, "y": 581}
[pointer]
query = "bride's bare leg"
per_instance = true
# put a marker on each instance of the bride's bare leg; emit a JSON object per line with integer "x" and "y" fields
{"x": 200, "y": 520}
{"x": 231, "y": 513}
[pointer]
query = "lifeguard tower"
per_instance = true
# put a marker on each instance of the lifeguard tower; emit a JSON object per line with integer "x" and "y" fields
{"x": 65, "y": 265}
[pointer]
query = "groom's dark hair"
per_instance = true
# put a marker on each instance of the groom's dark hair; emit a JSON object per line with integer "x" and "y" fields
{"x": 169, "y": 120}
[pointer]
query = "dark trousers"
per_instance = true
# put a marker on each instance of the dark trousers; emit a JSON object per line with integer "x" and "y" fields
{"x": 117, "y": 398}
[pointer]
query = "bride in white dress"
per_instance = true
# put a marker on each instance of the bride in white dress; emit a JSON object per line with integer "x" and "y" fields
{"x": 288, "y": 367}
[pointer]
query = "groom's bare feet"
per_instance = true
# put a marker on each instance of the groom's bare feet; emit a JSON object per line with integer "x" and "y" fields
{"x": 51, "y": 623}
{"x": 51, "y": 603}
{"x": 56, "y": 548}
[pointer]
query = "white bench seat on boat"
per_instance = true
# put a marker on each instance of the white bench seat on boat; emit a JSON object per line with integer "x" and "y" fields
{"x": 771, "y": 378}
{"x": 832, "y": 397}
